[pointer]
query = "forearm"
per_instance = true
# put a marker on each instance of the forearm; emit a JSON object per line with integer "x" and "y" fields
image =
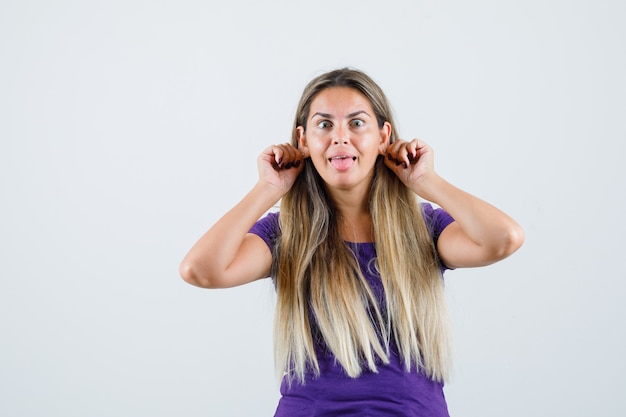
{"x": 209, "y": 259}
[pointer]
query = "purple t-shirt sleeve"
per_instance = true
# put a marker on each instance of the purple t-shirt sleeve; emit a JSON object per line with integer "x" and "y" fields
{"x": 267, "y": 229}
{"x": 436, "y": 219}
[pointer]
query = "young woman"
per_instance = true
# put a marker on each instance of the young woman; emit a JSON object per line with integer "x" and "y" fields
{"x": 361, "y": 325}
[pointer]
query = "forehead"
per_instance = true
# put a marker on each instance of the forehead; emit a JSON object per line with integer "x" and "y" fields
{"x": 340, "y": 100}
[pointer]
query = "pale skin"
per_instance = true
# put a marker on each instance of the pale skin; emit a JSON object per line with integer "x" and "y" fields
{"x": 343, "y": 140}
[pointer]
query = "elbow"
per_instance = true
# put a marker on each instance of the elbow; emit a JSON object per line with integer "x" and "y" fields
{"x": 190, "y": 275}
{"x": 512, "y": 239}
{"x": 187, "y": 273}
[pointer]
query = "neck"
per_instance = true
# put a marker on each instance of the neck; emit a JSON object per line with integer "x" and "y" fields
{"x": 355, "y": 220}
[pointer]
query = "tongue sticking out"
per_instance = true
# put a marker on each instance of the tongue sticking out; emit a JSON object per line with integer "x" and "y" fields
{"x": 342, "y": 164}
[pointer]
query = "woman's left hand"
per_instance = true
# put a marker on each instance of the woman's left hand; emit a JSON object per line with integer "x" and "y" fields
{"x": 410, "y": 161}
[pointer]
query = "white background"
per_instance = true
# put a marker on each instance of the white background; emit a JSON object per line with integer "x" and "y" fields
{"x": 128, "y": 127}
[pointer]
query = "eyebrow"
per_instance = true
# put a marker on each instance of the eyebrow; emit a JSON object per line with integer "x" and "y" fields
{"x": 329, "y": 116}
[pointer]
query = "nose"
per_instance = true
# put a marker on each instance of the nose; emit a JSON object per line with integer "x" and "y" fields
{"x": 341, "y": 136}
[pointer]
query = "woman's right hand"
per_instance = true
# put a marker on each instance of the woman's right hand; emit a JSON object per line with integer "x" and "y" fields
{"x": 279, "y": 166}
{"x": 228, "y": 255}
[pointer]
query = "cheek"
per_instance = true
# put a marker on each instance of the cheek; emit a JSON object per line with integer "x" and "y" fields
{"x": 318, "y": 161}
{"x": 317, "y": 146}
{"x": 318, "y": 155}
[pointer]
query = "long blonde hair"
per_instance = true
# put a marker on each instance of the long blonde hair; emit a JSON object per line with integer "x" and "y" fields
{"x": 320, "y": 286}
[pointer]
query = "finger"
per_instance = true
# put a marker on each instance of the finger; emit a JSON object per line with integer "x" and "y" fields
{"x": 412, "y": 148}
{"x": 393, "y": 150}
{"x": 390, "y": 162}
{"x": 292, "y": 156}
{"x": 395, "y": 146}
{"x": 277, "y": 155}
{"x": 400, "y": 154}
{"x": 296, "y": 158}
{"x": 421, "y": 144}
{"x": 281, "y": 154}
{"x": 422, "y": 148}
{"x": 394, "y": 165}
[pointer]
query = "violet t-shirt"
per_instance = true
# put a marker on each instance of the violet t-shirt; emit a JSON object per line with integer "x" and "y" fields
{"x": 392, "y": 391}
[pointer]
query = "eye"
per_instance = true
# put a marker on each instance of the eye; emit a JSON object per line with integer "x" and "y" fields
{"x": 324, "y": 124}
{"x": 357, "y": 123}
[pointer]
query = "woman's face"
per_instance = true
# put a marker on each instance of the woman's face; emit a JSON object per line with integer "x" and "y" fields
{"x": 343, "y": 138}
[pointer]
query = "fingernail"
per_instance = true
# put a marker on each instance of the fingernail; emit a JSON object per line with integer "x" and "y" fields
{"x": 296, "y": 164}
{"x": 288, "y": 165}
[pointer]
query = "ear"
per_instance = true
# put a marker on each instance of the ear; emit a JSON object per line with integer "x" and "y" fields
{"x": 385, "y": 136}
{"x": 302, "y": 145}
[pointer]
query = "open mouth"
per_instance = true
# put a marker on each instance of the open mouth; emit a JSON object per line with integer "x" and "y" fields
{"x": 342, "y": 157}
{"x": 342, "y": 162}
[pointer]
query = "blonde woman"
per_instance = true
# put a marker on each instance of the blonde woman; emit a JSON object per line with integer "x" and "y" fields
{"x": 361, "y": 325}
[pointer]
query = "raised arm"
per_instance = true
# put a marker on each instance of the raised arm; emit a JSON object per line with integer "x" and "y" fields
{"x": 227, "y": 255}
{"x": 480, "y": 235}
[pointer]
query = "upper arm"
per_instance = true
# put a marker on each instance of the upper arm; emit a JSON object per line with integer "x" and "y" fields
{"x": 457, "y": 250}
{"x": 253, "y": 262}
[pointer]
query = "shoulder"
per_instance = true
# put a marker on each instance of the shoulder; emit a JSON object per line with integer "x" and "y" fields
{"x": 267, "y": 228}
{"x": 437, "y": 219}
